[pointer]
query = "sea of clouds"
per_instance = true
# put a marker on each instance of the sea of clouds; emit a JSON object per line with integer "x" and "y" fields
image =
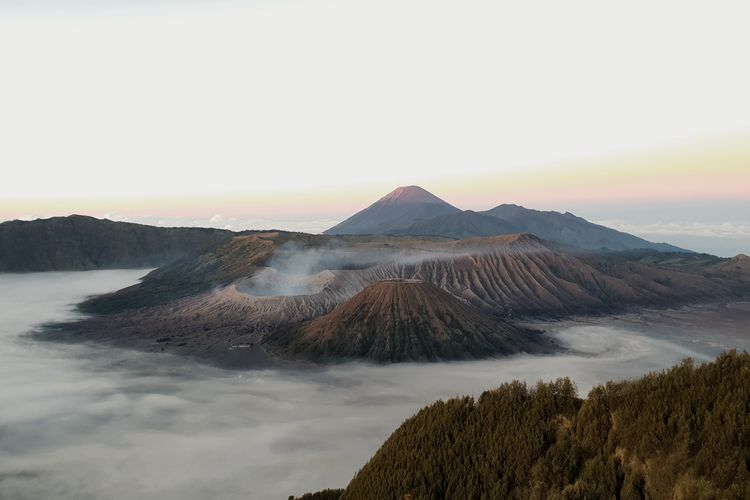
{"x": 83, "y": 422}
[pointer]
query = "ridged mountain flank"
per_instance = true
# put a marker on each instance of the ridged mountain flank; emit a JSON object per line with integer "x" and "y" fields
{"x": 396, "y": 210}
{"x": 405, "y": 320}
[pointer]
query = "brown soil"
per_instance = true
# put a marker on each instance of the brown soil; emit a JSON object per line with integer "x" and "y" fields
{"x": 405, "y": 320}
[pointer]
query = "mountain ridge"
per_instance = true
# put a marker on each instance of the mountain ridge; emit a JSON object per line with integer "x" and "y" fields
{"x": 242, "y": 291}
{"x": 394, "y": 214}
{"x": 81, "y": 242}
{"x": 570, "y": 229}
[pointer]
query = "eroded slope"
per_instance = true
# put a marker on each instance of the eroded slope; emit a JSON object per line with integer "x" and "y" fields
{"x": 404, "y": 320}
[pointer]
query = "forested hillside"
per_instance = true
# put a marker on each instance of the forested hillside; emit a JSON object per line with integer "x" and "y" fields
{"x": 680, "y": 434}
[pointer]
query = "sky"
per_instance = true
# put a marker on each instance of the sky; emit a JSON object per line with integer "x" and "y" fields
{"x": 295, "y": 114}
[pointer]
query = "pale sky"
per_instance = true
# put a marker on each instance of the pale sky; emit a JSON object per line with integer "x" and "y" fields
{"x": 306, "y": 110}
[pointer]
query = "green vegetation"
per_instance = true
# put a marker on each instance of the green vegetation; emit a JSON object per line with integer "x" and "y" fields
{"x": 680, "y": 434}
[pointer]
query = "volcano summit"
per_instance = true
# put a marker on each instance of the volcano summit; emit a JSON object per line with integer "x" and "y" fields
{"x": 396, "y": 210}
{"x": 405, "y": 320}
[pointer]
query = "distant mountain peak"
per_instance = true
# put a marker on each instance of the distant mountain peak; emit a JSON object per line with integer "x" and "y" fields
{"x": 408, "y": 195}
{"x": 412, "y": 210}
{"x": 394, "y": 211}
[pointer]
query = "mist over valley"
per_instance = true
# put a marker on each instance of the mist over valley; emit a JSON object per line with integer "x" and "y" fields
{"x": 82, "y": 421}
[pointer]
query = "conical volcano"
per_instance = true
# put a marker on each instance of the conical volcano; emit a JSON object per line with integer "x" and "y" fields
{"x": 396, "y": 210}
{"x": 404, "y": 320}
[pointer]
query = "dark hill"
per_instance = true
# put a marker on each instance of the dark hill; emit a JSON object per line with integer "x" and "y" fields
{"x": 680, "y": 434}
{"x": 405, "y": 320}
{"x": 79, "y": 242}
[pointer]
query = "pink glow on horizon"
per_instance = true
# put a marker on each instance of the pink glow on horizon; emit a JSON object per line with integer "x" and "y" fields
{"x": 700, "y": 173}
{"x": 480, "y": 196}
{"x": 685, "y": 189}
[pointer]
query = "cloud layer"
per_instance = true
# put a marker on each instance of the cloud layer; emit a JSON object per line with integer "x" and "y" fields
{"x": 716, "y": 230}
{"x": 81, "y": 422}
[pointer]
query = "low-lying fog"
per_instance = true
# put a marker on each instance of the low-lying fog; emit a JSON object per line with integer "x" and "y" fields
{"x": 84, "y": 422}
